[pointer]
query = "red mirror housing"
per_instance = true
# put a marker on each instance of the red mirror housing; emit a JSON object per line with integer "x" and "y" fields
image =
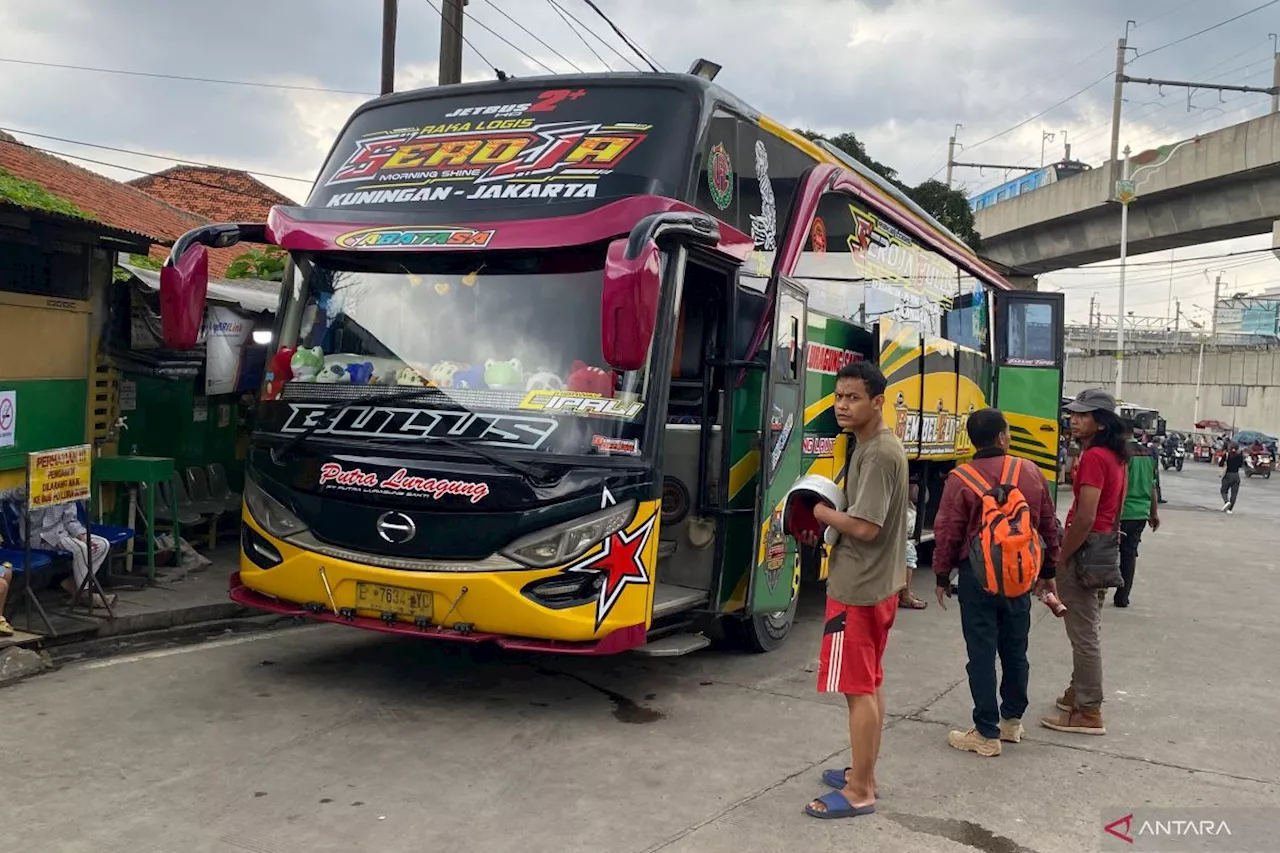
{"x": 183, "y": 287}
{"x": 629, "y": 304}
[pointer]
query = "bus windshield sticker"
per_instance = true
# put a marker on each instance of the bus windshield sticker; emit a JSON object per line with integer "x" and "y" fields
{"x": 410, "y": 424}
{"x": 334, "y": 476}
{"x": 610, "y": 446}
{"x": 399, "y": 238}
{"x": 580, "y": 403}
{"x": 764, "y": 226}
{"x": 720, "y": 176}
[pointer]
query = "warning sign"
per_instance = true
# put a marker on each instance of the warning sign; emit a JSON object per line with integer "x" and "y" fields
{"x": 8, "y": 417}
{"x": 58, "y": 476}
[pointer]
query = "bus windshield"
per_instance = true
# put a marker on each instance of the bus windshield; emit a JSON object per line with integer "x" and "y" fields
{"x": 513, "y": 336}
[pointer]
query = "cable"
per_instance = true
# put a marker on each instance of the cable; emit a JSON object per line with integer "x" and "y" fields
{"x": 1027, "y": 121}
{"x": 481, "y": 24}
{"x": 137, "y": 171}
{"x": 640, "y": 53}
{"x": 574, "y": 30}
{"x": 593, "y": 34}
{"x": 154, "y": 156}
{"x": 1166, "y": 13}
{"x": 1205, "y": 30}
{"x": 181, "y": 77}
{"x": 467, "y": 41}
{"x": 497, "y": 9}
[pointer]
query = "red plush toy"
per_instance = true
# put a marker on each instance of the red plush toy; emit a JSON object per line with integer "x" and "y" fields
{"x": 278, "y": 372}
{"x": 590, "y": 380}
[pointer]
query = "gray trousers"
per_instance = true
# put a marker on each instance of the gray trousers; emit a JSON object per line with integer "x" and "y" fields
{"x": 1230, "y": 489}
{"x": 1084, "y": 629}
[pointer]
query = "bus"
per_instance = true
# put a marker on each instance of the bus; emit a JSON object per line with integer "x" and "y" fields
{"x": 550, "y": 352}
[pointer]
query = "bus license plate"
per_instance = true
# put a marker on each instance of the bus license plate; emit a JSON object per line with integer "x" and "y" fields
{"x": 412, "y": 603}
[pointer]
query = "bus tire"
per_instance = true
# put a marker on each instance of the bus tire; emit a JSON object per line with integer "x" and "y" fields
{"x": 763, "y": 632}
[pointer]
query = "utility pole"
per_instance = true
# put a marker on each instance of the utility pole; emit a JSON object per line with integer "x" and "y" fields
{"x": 1121, "y": 47}
{"x": 1045, "y": 136}
{"x": 1122, "y": 192}
{"x": 951, "y": 153}
{"x": 1092, "y": 300}
{"x": 1275, "y": 75}
{"x": 388, "y": 46}
{"x": 1177, "y": 315}
{"x": 1213, "y": 320}
{"x": 451, "y": 15}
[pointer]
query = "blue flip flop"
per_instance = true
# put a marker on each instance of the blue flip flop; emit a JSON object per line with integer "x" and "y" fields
{"x": 838, "y": 807}
{"x": 833, "y": 777}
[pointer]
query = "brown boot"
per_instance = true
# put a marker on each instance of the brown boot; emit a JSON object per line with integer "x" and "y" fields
{"x": 1084, "y": 721}
{"x": 1068, "y": 700}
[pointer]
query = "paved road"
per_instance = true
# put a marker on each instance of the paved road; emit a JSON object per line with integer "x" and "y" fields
{"x": 330, "y": 739}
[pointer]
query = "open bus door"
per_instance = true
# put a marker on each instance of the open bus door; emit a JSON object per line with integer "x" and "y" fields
{"x": 775, "y": 577}
{"x": 1028, "y": 366}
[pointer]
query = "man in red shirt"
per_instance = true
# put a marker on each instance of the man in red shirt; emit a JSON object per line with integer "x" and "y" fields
{"x": 1099, "y": 485}
{"x": 992, "y": 625}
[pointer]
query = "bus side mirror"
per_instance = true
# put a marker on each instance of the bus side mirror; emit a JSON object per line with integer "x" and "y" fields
{"x": 183, "y": 287}
{"x": 629, "y": 303}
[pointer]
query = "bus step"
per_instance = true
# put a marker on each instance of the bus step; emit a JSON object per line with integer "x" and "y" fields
{"x": 673, "y": 646}
{"x": 669, "y": 599}
{"x": 666, "y": 547}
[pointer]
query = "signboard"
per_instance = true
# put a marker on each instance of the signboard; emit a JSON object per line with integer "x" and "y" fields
{"x": 1125, "y": 191}
{"x": 58, "y": 476}
{"x": 128, "y": 395}
{"x": 8, "y": 417}
{"x": 225, "y": 333}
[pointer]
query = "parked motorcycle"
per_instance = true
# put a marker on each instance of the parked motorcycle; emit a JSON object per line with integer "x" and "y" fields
{"x": 1258, "y": 463}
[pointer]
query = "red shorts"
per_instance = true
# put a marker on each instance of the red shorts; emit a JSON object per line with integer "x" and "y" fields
{"x": 853, "y": 642}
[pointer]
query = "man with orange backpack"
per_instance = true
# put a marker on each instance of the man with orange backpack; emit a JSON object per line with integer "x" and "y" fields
{"x": 996, "y": 525}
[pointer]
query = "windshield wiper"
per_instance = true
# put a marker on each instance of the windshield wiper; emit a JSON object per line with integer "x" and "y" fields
{"x": 367, "y": 400}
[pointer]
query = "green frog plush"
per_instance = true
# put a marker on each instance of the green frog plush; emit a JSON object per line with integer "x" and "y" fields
{"x": 305, "y": 364}
{"x": 504, "y": 375}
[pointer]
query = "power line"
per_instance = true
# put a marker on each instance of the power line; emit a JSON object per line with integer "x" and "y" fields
{"x": 1214, "y": 257}
{"x": 252, "y": 83}
{"x": 137, "y": 171}
{"x": 466, "y": 40}
{"x": 153, "y": 156}
{"x": 1205, "y": 30}
{"x": 574, "y": 30}
{"x": 479, "y": 23}
{"x": 498, "y": 9}
{"x": 629, "y": 43}
{"x": 1027, "y": 121}
{"x": 593, "y": 34}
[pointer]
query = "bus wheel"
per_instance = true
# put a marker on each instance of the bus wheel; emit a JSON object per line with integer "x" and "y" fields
{"x": 764, "y": 632}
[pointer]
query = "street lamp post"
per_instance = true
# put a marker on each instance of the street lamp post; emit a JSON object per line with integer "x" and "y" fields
{"x": 1125, "y": 194}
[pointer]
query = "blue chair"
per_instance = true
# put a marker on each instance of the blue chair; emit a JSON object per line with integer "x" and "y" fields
{"x": 12, "y": 530}
{"x": 17, "y": 560}
{"x": 114, "y": 534}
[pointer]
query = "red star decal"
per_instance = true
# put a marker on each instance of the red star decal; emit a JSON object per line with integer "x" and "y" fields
{"x": 620, "y": 563}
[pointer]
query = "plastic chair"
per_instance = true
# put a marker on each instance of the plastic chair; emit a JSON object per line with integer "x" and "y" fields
{"x": 21, "y": 568}
{"x": 186, "y": 515}
{"x": 220, "y": 490}
{"x": 114, "y": 534}
{"x": 12, "y": 529}
{"x": 206, "y": 510}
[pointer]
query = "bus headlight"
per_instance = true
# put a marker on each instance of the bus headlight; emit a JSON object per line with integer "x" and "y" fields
{"x": 569, "y": 540}
{"x": 275, "y": 517}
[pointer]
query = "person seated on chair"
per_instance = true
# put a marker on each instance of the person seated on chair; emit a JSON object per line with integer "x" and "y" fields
{"x": 59, "y": 528}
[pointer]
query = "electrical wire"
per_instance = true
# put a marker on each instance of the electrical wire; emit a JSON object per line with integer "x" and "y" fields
{"x": 193, "y": 181}
{"x": 252, "y": 83}
{"x": 565, "y": 12}
{"x": 178, "y": 160}
{"x": 586, "y": 43}
{"x": 467, "y": 41}
{"x": 629, "y": 43}
{"x": 566, "y": 59}
{"x": 1205, "y": 30}
{"x": 481, "y": 24}
{"x": 1065, "y": 100}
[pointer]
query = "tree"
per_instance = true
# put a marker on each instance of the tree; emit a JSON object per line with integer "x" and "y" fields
{"x": 948, "y": 206}
{"x": 263, "y": 264}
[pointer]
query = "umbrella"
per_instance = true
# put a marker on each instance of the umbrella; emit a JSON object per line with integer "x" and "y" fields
{"x": 1216, "y": 425}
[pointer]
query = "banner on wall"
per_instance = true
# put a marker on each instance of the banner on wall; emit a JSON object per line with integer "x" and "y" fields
{"x": 225, "y": 334}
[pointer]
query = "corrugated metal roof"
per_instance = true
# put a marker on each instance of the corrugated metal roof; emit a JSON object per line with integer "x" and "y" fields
{"x": 250, "y": 294}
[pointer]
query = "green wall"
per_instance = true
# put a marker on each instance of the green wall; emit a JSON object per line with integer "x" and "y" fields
{"x": 50, "y": 413}
{"x": 164, "y": 424}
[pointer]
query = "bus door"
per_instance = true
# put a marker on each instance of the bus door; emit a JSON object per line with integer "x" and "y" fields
{"x": 1028, "y": 387}
{"x": 776, "y": 574}
{"x": 902, "y": 363}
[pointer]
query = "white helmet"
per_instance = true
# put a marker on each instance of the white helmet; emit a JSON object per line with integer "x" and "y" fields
{"x": 804, "y": 494}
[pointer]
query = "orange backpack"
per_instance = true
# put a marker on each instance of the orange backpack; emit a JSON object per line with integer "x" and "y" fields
{"x": 1007, "y": 552}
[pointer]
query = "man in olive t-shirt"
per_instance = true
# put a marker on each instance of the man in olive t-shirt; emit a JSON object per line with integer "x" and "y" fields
{"x": 866, "y": 571}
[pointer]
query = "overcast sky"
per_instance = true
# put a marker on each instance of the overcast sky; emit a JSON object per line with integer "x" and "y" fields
{"x": 899, "y": 73}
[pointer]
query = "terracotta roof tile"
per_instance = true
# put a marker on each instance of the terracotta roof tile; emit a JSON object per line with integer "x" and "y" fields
{"x": 222, "y": 195}
{"x": 112, "y": 202}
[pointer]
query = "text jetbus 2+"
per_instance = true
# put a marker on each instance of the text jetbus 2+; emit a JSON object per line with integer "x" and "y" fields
{"x": 551, "y": 351}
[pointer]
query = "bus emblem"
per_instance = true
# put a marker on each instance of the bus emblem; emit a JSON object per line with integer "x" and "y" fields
{"x": 720, "y": 176}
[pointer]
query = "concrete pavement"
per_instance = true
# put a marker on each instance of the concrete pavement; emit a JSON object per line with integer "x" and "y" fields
{"x": 326, "y": 738}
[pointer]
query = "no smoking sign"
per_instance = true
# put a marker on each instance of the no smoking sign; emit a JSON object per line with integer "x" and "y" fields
{"x": 8, "y": 417}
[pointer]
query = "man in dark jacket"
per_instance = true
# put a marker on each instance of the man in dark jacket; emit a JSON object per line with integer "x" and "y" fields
{"x": 993, "y": 625}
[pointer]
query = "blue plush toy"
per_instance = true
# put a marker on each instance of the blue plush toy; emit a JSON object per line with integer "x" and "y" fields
{"x": 361, "y": 373}
{"x": 472, "y": 378}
